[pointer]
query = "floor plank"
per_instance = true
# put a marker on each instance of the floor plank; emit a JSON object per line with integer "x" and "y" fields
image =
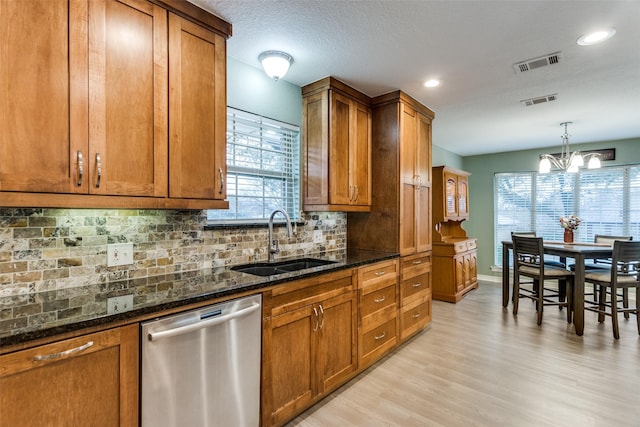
{"x": 478, "y": 365}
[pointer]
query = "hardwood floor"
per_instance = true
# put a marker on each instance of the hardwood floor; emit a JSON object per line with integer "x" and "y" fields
{"x": 478, "y": 365}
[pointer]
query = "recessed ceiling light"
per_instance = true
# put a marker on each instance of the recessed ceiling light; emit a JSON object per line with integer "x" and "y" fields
{"x": 432, "y": 83}
{"x": 596, "y": 37}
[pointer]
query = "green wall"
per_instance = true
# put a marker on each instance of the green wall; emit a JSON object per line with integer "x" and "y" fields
{"x": 250, "y": 89}
{"x": 483, "y": 168}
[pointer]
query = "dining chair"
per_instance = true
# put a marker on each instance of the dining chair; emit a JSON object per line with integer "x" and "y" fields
{"x": 549, "y": 262}
{"x": 528, "y": 254}
{"x": 623, "y": 274}
{"x": 592, "y": 298}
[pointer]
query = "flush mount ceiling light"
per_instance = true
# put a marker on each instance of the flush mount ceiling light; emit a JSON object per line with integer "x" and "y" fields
{"x": 275, "y": 63}
{"x": 596, "y": 37}
{"x": 432, "y": 83}
{"x": 567, "y": 160}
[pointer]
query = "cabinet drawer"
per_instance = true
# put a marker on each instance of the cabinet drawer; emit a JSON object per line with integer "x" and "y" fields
{"x": 415, "y": 265}
{"x": 379, "y": 336}
{"x": 378, "y": 300}
{"x": 386, "y": 271}
{"x": 415, "y": 285}
{"x": 472, "y": 244}
{"x": 415, "y": 317}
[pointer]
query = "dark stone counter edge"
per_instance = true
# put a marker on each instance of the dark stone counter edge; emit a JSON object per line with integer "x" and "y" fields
{"x": 354, "y": 259}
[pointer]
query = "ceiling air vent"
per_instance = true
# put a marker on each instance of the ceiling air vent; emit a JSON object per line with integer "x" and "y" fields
{"x": 532, "y": 64}
{"x": 539, "y": 100}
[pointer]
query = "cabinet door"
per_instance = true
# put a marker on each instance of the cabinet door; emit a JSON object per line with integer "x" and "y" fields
{"x": 290, "y": 373}
{"x": 340, "y": 188}
{"x": 360, "y": 155}
{"x": 451, "y": 196}
{"x": 87, "y": 380}
{"x": 408, "y": 140}
{"x": 423, "y": 193}
{"x": 315, "y": 142}
{"x": 463, "y": 197}
{"x": 459, "y": 265}
{"x": 197, "y": 111}
{"x": 42, "y": 130}
{"x": 128, "y": 98}
{"x": 472, "y": 272}
{"x": 337, "y": 351}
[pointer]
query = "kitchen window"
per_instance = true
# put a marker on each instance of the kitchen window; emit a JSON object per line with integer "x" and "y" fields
{"x": 263, "y": 169}
{"x": 607, "y": 200}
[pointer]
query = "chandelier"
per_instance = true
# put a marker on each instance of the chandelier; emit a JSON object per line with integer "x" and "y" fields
{"x": 568, "y": 161}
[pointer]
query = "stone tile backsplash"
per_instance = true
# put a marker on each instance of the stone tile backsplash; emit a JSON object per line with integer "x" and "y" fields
{"x": 53, "y": 249}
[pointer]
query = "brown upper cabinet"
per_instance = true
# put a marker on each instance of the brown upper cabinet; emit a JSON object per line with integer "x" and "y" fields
{"x": 88, "y": 104}
{"x": 336, "y": 140}
{"x": 451, "y": 194}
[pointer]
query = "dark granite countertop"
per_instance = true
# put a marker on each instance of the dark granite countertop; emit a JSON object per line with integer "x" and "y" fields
{"x": 38, "y": 315}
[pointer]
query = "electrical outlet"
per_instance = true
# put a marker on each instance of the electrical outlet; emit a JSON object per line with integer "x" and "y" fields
{"x": 121, "y": 304}
{"x": 317, "y": 236}
{"x": 119, "y": 254}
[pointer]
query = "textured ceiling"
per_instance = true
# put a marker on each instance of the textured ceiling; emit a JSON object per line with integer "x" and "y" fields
{"x": 378, "y": 46}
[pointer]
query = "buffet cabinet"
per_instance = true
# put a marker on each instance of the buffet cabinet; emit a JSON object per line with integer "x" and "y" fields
{"x": 336, "y": 146}
{"x": 86, "y": 113}
{"x": 455, "y": 269}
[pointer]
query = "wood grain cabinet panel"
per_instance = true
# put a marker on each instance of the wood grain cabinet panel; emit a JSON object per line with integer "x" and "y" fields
{"x": 378, "y": 311}
{"x": 197, "y": 67}
{"x": 85, "y": 106}
{"x": 336, "y": 140}
{"x": 89, "y": 380}
{"x": 451, "y": 194}
{"x": 309, "y": 343}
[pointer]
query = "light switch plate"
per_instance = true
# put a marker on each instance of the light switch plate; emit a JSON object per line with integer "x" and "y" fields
{"x": 317, "y": 236}
{"x": 119, "y": 254}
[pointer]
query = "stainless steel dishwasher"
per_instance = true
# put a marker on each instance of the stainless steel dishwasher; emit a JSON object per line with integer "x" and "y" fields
{"x": 202, "y": 368}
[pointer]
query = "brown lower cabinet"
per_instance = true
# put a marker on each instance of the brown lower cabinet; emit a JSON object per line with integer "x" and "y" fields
{"x": 309, "y": 343}
{"x": 89, "y": 380}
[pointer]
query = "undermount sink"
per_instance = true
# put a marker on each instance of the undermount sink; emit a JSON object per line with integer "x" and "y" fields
{"x": 269, "y": 269}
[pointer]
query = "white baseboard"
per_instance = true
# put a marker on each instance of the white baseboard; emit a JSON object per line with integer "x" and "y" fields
{"x": 486, "y": 278}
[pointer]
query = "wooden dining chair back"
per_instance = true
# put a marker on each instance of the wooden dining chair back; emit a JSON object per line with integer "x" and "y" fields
{"x": 550, "y": 262}
{"x": 529, "y": 262}
{"x": 623, "y": 274}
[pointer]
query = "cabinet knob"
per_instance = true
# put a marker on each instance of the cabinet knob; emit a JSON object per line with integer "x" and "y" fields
{"x": 221, "y": 180}
{"x": 379, "y": 300}
{"x": 380, "y": 273}
{"x": 417, "y": 285}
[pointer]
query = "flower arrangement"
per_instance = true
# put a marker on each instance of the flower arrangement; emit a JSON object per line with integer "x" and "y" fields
{"x": 571, "y": 222}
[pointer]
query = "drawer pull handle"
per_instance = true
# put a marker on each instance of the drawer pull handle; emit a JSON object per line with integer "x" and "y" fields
{"x": 417, "y": 285}
{"x": 80, "y": 168}
{"x": 221, "y": 181}
{"x": 379, "y": 337}
{"x": 380, "y": 273}
{"x": 99, "y": 165}
{"x": 417, "y": 262}
{"x": 315, "y": 312}
{"x": 41, "y": 357}
{"x": 415, "y": 316}
{"x": 321, "y": 312}
{"x": 377, "y": 300}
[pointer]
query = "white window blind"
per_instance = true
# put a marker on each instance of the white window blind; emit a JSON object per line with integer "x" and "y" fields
{"x": 263, "y": 169}
{"x": 607, "y": 201}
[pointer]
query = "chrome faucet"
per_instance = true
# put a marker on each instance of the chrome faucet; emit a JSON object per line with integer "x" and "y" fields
{"x": 274, "y": 247}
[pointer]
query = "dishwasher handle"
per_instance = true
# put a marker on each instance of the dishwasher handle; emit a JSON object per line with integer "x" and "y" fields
{"x": 155, "y": 336}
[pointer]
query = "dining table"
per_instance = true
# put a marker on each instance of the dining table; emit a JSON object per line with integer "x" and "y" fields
{"x": 579, "y": 252}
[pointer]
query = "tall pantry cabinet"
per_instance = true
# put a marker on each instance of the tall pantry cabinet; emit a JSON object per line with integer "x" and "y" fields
{"x": 400, "y": 217}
